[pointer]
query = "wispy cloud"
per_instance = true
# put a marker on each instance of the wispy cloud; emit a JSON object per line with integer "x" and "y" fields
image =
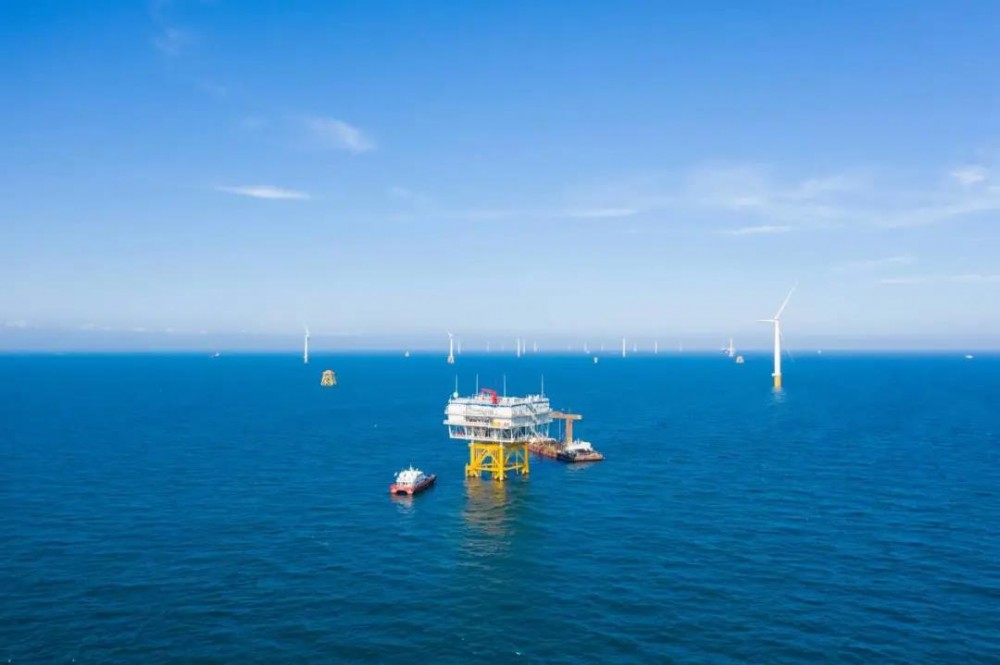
{"x": 252, "y": 123}
{"x": 526, "y": 214}
{"x": 969, "y": 175}
{"x": 875, "y": 264}
{"x": 338, "y": 135}
{"x": 723, "y": 194}
{"x": 966, "y": 278}
{"x": 763, "y": 229}
{"x": 20, "y": 323}
{"x": 172, "y": 41}
{"x": 597, "y": 213}
{"x": 408, "y": 196}
{"x": 755, "y": 199}
{"x": 402, "y": 193}
{"x": 765, "y": 201}
{"x": 212, "y": 88}
{"x": 265, "y": 192}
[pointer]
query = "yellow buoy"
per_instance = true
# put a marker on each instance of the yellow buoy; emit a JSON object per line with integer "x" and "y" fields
{"x": 329, "y": 379}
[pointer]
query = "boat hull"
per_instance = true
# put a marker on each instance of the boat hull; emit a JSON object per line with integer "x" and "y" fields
{"x": 573, "y": 458}
{"x": 410, "y": 490}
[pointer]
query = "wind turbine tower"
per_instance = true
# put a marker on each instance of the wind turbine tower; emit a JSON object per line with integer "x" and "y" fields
{"x": 305, "y": 349}
{"x": 623, "y": 347}
{"x": 451, "y": 349}
{"x": 777, "y": 339}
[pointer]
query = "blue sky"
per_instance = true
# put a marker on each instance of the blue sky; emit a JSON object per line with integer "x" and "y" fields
{"x": 235, "y": 170}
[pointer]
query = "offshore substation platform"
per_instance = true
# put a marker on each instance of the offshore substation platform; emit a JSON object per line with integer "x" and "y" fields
{"x": 498, "y": 429}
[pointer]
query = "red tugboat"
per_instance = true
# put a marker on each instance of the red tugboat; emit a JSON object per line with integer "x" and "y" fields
{"x": 411, "y": 481}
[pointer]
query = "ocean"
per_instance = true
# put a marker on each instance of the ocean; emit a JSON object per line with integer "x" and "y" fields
{"x": 187, "y": 509}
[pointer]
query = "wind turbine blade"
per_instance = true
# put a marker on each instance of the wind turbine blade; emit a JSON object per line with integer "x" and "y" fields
{"x": 785, "y": 304}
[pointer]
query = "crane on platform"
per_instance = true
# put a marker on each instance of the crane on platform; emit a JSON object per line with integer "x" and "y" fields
{"x": 569, "y": 418}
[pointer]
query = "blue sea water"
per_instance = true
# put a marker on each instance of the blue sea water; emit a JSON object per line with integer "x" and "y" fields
{"x": 183, "y": 509}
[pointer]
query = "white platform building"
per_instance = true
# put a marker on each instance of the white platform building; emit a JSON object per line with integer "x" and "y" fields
{"x": 498, "y": 429}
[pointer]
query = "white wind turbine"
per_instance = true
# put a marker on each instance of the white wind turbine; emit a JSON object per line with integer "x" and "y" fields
{"x": 451, "y": 349}
{"x": 305, "y": 348}
{"x": 777, "y": 338}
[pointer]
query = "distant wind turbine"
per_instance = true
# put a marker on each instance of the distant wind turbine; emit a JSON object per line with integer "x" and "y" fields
{"x": 777, "y": 338}
{"x": 451, "y": 349}
{"x": 305, "y": 349}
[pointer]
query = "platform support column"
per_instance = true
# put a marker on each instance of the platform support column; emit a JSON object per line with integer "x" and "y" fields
{"x": 497, "y": 459}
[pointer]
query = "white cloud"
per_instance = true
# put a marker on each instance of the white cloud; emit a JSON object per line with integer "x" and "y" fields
{"x": 20, "y": 323}
{"x": 763, "y": 229}
{"x": 876, "y": 264}
{"x": 754, "y": 199}
{"x": 397, "y": 192}
{"x": 265, "y": 192}
{"x": 337, "y": 134}
{"x": 496, "y": 214}
{"x": 966, "y": 205}
{"x": 597, "y": 213}
{"x": 723, "y": 194}
{"x": 755, "y": 195}
{"x": 972, "y": 278}
{"x": 252, "y": 123}
{"x": 212, "y": 88}
{"x": 965, "y": 278}
{"x": 969, "y": 175}
{"x": 409, "y": 196}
